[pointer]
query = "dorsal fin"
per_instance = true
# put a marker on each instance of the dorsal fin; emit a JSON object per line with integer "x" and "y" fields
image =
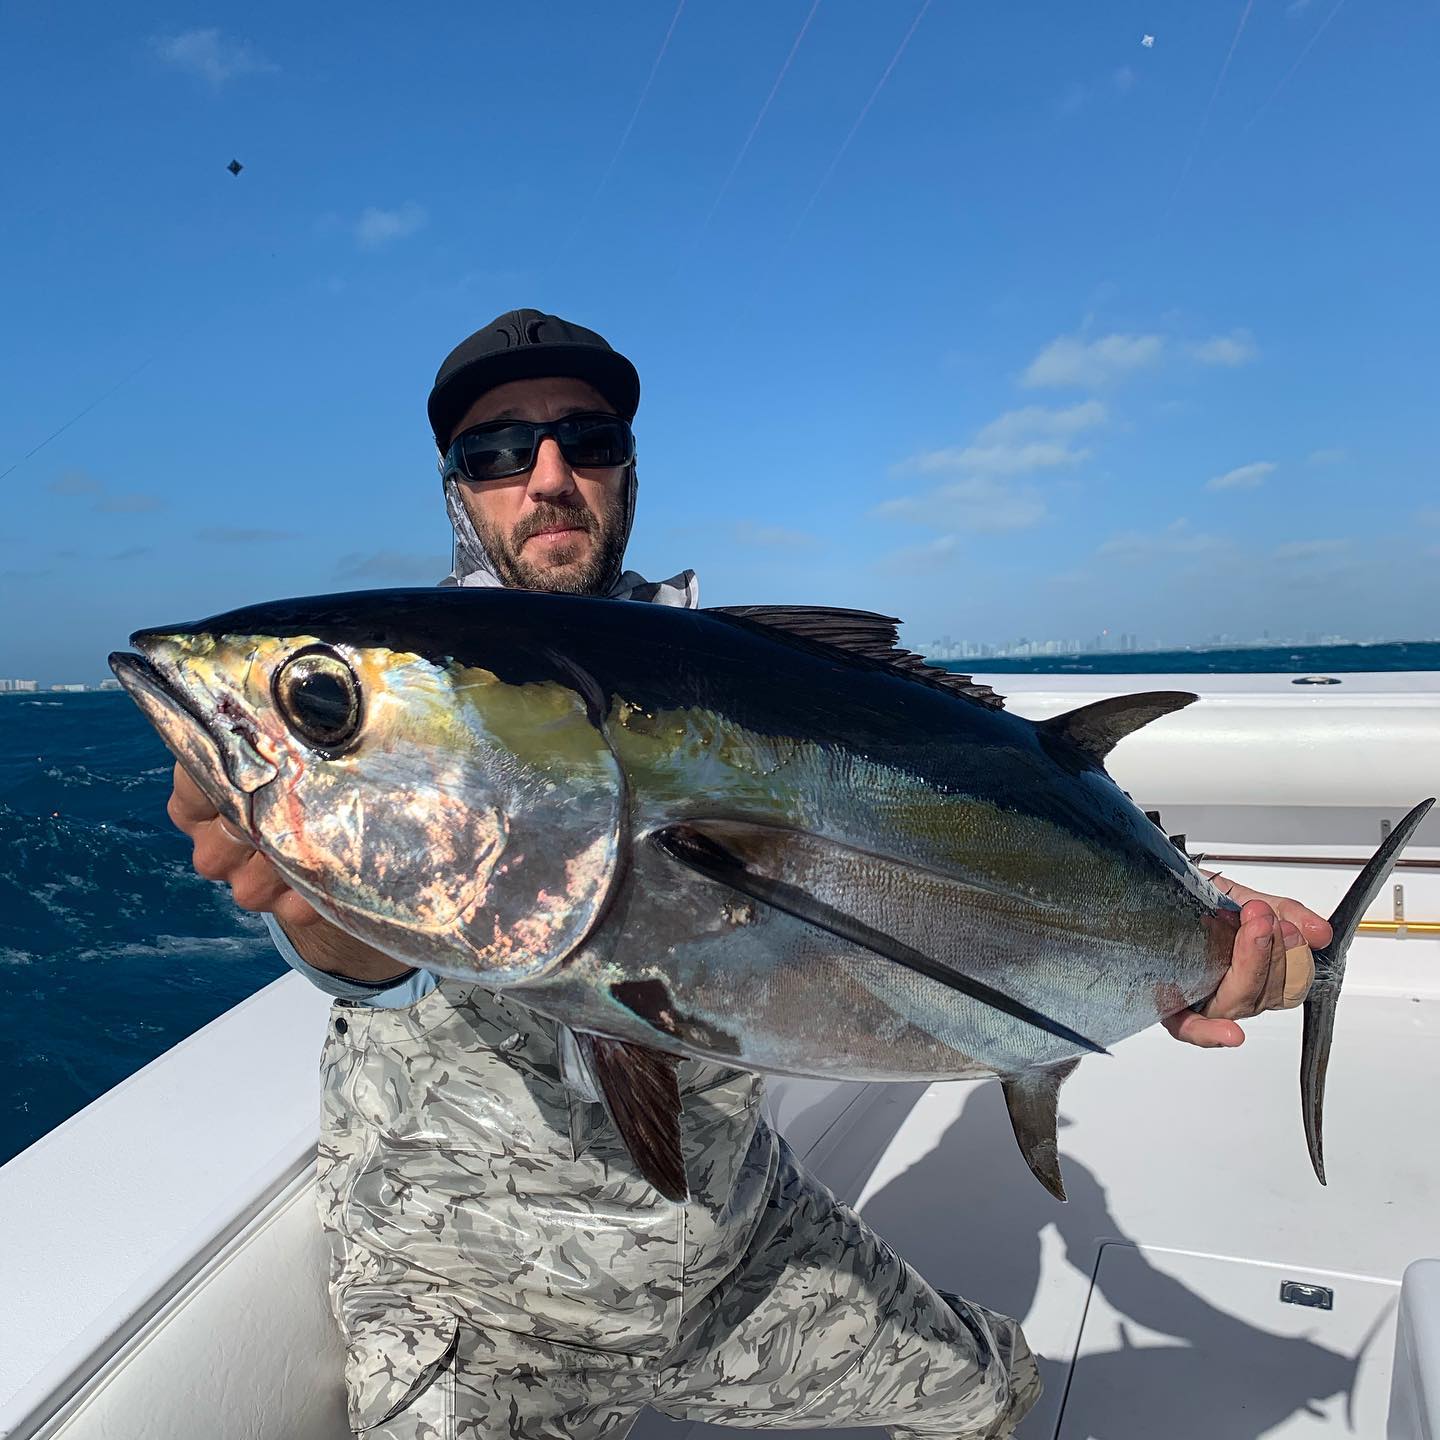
{"x": 860, "y": 632}
{"x": 1097, "y": 729}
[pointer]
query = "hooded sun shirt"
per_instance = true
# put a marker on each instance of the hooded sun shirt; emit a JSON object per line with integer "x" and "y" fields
{"x": 471, "y": 564}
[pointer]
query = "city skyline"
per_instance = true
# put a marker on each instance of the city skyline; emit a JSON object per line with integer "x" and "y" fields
{"x": 1123, "y": 643}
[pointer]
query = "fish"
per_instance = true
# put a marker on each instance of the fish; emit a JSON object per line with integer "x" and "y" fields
{"x": 764, "y": 836}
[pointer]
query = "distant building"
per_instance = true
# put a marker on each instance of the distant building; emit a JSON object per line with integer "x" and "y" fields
{"x": 111, "y": 685}
{"x": 70, "y": 689}
{"x": 12, "y": 687}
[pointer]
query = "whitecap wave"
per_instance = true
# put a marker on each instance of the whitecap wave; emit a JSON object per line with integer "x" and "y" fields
{"x": 181, "y": 947}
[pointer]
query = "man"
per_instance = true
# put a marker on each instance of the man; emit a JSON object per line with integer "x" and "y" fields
{"x": 498, "y": 1267}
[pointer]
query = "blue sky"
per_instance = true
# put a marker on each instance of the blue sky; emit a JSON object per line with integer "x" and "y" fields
{"x": 1005, "y": 322}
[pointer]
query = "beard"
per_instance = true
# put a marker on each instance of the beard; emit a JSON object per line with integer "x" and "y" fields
{"x": 572, "y": 567}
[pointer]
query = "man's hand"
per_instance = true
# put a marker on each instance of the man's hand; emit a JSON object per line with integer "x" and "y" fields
{"x": 1271, "y": 967}
{"x": 222, "y": 854}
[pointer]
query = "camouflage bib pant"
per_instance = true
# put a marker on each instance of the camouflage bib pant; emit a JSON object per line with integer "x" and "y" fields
{"x": 498, "y": 1269}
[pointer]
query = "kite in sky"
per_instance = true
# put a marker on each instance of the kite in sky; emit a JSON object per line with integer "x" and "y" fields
{"x": 1148, "y": 41}
{"x": 234, "y": 167}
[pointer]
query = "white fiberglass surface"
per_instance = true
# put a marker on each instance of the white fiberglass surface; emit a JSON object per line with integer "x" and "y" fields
{"x": 112, "y": 1207}
{"x": 1281, "y": 1369}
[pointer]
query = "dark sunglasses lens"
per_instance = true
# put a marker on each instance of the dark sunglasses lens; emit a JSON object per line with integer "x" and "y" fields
{"x": 596, "y": 441}
{"x": 496, "y": 451}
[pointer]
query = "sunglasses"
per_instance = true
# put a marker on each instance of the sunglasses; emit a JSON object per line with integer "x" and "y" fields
{"x": 507, "y": 447}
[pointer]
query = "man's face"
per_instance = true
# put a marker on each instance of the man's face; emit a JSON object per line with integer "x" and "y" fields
{"x": 552, "y": 528}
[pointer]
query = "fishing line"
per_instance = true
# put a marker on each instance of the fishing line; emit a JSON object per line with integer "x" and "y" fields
{"x": 80, "y": 415}
{"x": 774, "y": 89}
{"x": 1290, "y": 73}
{"x": 635, "y": 114}
{"x": 1205, "y": 118}
{"x": 860, "y": 120}
{"x": 168, "y": 344}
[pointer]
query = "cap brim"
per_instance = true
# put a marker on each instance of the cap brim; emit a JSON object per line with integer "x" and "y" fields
{"x": 609, "y": 372}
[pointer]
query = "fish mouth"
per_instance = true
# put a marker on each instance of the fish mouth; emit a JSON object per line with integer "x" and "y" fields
{"x": 224, "y": 762}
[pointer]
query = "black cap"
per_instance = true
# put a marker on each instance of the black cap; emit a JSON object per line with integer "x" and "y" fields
{"x": 525, "y": 345}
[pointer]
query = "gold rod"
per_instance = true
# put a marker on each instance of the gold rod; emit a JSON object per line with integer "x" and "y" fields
{"x": 1395, "y": 927}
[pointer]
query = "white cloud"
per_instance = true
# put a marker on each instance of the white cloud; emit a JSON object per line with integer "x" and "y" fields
{"x": 1070, "y": 363}
{"x": 773, "y": 537}
{"x": 1032, "y": 420}
{"x": 982, "y": 495}
{"x": 1236, "y": 348}
{"x": 1309, "y": 549}
{"x": 211, "y": 56}
{"x": 1243, "y": 477}
{"x": 1019, "y": 442}
{"x": 935, "y": 554}
{"x": 978, "y": 503}
{"x": 128, "y": 504}
{"x": 75, "y": 482}
{"x": 1176, "y": 539}
{"x": 1002, "y": 459}
{"x": 1327, "y": 457}
{"x": 377, "y": 228}
{"x": 1296, "y": 8}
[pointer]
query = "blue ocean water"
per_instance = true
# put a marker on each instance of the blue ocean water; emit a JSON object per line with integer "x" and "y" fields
{"x": 112, "y": 949}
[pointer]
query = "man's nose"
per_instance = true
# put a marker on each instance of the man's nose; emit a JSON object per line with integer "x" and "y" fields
{"x": 551, "y": 475}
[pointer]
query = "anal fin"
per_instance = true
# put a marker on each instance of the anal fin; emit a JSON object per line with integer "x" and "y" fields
{"x": 1032, "y": 1097}
{"x": 642, "y": 1095}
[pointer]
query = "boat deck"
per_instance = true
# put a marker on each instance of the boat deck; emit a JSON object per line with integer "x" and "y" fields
{"x": 139, "y": 1295}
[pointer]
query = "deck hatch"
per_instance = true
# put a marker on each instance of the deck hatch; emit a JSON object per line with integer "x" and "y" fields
{"x": 1297, "y": 1292}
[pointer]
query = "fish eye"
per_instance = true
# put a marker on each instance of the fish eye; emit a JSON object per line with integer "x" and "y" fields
{"x": 319, "y": 698}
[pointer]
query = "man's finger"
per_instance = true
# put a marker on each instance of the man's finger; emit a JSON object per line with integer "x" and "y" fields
{"x": 295, "y": 912}
{"x": 1196, "y": 1029}
{"x": 1314, "y": 929}
{"x": 231, "y": 833}
{"x": 218, "y": 854}
{"x": 1275, "y": 976}
{"x": 257, "y": 885}
{"x": 1243, "y": 986}
{"x": 188, "y": 805}
{"x": 1299, "y": 972}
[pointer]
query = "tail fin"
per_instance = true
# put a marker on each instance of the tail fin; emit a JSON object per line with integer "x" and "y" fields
{"x": 1330, "y": 974}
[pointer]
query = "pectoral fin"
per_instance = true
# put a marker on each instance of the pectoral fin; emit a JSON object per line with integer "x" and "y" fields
{"x": 1032, "y": 1097}
{"x": 642, "y": 1095}
{"x": 701, "y": 846}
